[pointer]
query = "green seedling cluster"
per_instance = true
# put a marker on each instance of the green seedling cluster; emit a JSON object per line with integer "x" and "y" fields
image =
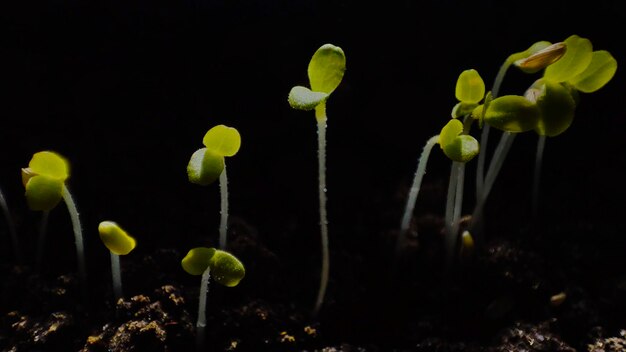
{"x": 325, "y": 71}
{"x": 118, "y": 242}
{"x": 207, "y": 165}
{"x": 547, "y": 107}
{"x": 227, "y": 270}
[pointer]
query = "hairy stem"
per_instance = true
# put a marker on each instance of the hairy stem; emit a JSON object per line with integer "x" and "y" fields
{"x": 320, "y": 115}
{"x": 453, "y": 209}
{"x": 11, "y": 227}
{"x": 223, "y": 208}
{"x": 413, "y": 192}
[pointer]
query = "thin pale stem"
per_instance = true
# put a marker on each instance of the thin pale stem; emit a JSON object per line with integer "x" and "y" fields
{"x": 116, "y": 273}
{"x": 41, "y": 241}
{"x": 541, "y": 144}
{"x": 224, "y": 208}
{"x": 202, "y": 303}
{"x": 320, "y": 115}
{"x": 454, "y": 198}
{"x": 414, "y": 191}
{"x": 502, "y": 149}
{"x": 11, "y": 227}
{"x": 78, "y": 239}
{"x": 484, "y": 135}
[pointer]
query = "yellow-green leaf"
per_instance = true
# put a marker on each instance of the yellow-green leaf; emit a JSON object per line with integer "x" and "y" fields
{"x": 222, "y": 140}
{"x": 556, "y": 106}
{"x": 512, "y": 113}
{"x": 115, "y": 238}
{"x": 470, "y": 88}
{"x": 43, "y": 192}
{"x": 449, "y": 132}
{"x": 576, "y": 59}
{"x": 197, "y": 260}
{"x": 226, "y": 269}
{"x": 599, "y": 72}
{"x": 204, "y": 167}
{"x": 302, "y": 98}
{"x": 49, "y": 164}
{"x": 326, "y": 68}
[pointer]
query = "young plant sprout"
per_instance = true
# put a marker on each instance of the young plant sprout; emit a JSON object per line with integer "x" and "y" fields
{"x": 457, "y": 145}
{"x": 207, "y": 164}
{"x": 119, "y": 243}
{"x": 325, "y": 71}
{"x": 44, "y": 180}
{"x": 227, "y": 270}
{"x": 11, "y": 227}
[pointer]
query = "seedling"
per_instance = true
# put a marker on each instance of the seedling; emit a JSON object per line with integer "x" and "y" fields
{"x": 227, "y": 270}
{"x": 325, "y": 71}
{"x": 207, "y": 164}
{"x": 460, "y": 148}
{"x": 44, "y": 180}
{"x": 119, "y": 243}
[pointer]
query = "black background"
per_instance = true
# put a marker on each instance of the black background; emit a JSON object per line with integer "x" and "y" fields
{"x": 127, "y": 89}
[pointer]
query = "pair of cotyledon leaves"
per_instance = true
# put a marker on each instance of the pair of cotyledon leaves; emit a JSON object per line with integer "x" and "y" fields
{"x": 325, "y": 71}
{"x": 225, "y": 268}
{"x": 207, "y": 164}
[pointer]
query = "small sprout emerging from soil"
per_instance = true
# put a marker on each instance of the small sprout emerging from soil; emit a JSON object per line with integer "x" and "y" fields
{"x": 207, "y": 165}
{"x": 44, "y": 180}
{"x": 227, "y": 270}
{"x": 325, "y": 71}
{"x": 119, "y": 243}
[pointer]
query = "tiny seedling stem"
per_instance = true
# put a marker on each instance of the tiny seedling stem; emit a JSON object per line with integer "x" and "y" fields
{"x": 78, "y": 240}
{"x": 502, "y": 149}
{"x": 41, "y": 241}
{"x": 201, "y": 322}
{"x": 320, "y": 115}
{"x": 116, "y": 273}
{"x": 413, "y": 192}
{"x": 224, "y": 208}
{"x": 484, "y": 136}
{"x": 453, "y": 208}
{"x": 541, "y": 144}
{"x": 11, "y": 226}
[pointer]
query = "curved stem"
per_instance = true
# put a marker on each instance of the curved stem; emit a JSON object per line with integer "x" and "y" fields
{"x": 11, "y": 226}
{"x": 414, "y": 191}
{"x": 504, "y": 145}
{"x": 223, "y": 208}
{"x": 78, "y": 239}
{"x": 41, "y": 241}
{"x": 116, "y": 273}
{"x": 541, "y": 144}
{"x": 320, "y": 115}
{"x": 484, "y": 136}
{"x": 202, "y": 303}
